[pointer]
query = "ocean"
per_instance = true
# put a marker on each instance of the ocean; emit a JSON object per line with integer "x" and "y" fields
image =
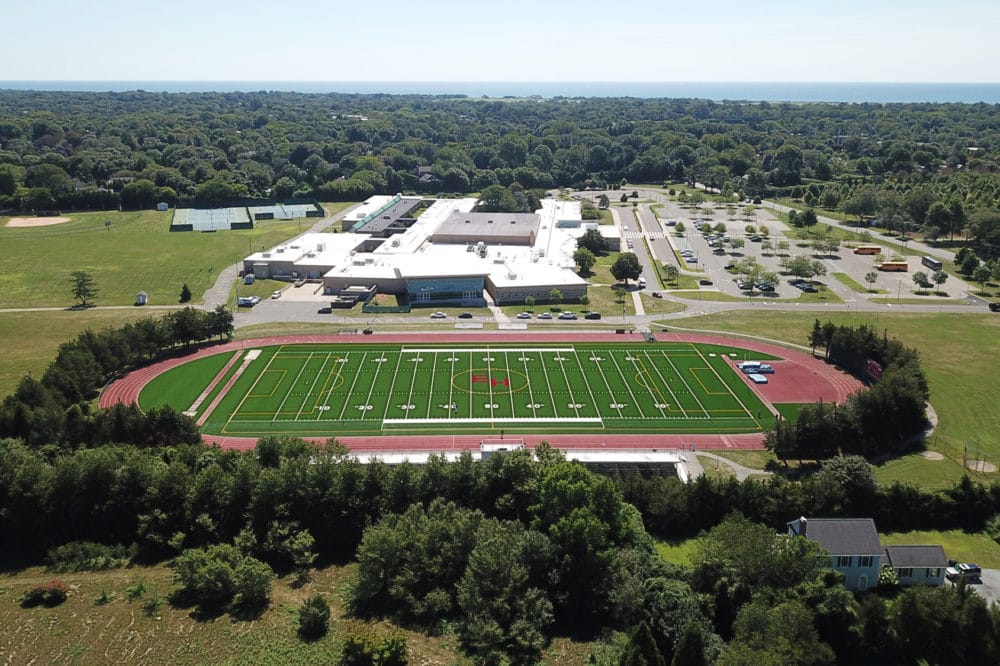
{"x": 969, "y": 93}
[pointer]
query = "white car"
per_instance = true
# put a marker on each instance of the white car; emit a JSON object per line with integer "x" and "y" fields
{"x": 524, "y": 315}
{"x": 438, "y": 315}
{"x": 276, "y": 294}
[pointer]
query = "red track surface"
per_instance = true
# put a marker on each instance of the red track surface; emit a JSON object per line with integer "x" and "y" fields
{"x": 799, "y": 378}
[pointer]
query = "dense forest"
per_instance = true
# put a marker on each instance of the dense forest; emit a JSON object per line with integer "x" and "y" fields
{"x": 931, "y": 167}
{"x": 509, "y": 552}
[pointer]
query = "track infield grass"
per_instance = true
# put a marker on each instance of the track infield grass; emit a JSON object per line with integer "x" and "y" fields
{"x": 371, "y": 389}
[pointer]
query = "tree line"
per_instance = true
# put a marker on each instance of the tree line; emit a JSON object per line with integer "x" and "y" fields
{"x": 509, "y": 551}
{"x": 55, "y": 408}
{"x": 926, "y": 167}
{"x": 878, "y": 420}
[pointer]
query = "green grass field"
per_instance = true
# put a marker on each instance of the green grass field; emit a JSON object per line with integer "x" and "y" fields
{"x": 366, "y": 389}
{"x": 136, "y": 253}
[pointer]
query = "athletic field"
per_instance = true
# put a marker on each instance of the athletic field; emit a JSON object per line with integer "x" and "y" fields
{"x": 368, "y": 389}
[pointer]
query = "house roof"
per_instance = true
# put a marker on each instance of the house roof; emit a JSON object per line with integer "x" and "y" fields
{"x": 916, "y": 556}
{"x": 843, "y": 536}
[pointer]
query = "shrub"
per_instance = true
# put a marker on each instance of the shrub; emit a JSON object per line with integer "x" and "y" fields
{"x": 48, "y": 594}
{"x": 135, "y": 590}
{"x": 104, "y": 598}
{"x": 314, "y": 618}
{"x": 363, "y": 646}
{"x": 88, "y": 556}
{"x": 152, "y": 605}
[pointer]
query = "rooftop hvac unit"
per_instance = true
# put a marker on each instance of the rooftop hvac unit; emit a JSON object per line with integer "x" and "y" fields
{"x": 320, "y": 247}
{"x": 280, "y": 250}
{"x": 395, "y": 242}
{"x": 267, "y": 255}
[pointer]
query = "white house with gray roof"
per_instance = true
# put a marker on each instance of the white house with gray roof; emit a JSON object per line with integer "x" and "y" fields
{"x": 852, "y": 543}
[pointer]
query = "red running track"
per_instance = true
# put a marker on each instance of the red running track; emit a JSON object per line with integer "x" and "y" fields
{"x": 801, "y": 378}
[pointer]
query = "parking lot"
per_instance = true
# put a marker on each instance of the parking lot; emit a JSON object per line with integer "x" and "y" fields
{"x": 768, "y": 243}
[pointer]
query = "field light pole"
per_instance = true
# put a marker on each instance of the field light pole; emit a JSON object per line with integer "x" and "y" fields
{"x": 899, "y": 288}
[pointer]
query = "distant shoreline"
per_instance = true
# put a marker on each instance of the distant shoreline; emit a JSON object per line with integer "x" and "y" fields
{"x": 847, "y": 92}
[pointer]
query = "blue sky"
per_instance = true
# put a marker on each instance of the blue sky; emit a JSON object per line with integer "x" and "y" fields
{"x": 512, "y": 40}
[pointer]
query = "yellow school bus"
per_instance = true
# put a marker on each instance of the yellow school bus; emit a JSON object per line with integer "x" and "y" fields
{"x": 899, "y": 266}
{"x": 868, "y": 249}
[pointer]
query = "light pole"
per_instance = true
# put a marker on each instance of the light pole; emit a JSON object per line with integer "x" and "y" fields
{"x": 899, "y": 288}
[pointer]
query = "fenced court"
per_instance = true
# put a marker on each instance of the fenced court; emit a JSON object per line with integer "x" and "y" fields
{"x": 368, "y": 389}
{"x": 210, "y": 219}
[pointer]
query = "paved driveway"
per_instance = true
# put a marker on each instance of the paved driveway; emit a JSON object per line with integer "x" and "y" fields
{"x": 989, "y": 586}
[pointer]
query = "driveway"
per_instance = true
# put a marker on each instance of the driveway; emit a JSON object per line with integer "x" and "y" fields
{"x": 989, "y": 586}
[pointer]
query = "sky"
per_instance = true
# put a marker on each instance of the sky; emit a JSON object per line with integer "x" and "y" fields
{"x": 512, "y": 40}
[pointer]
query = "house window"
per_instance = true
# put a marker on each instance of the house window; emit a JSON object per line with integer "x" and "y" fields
{"x": 934, "y": 573}
{"x": 905, "y": 572}
{"x": 843, "y": 561}
{"x": 865, "y": 561}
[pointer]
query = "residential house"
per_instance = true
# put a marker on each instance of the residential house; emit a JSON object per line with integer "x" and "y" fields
{"x": 916, "y": 565}
{"x": 852, "y": 543}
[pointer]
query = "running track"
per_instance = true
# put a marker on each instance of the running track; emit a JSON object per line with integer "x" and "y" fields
{"x": 800, "y": 378}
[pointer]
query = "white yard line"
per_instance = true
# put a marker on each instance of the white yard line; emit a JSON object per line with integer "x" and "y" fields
{"x": 693, "y": 394}
{"x": 291, "y": 388}
{"x": 350, "y": 391}
{"x": 312, "y": 388}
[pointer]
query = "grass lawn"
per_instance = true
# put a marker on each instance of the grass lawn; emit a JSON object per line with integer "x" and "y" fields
{"x": 851, "y": 283}
{"x": 136, "y": 253}
{"x": 930, "y": 299}
{"x": 660, "y": 305}
{"x": 365, "y": 388}
{"x": 958, "y": 352}
{"x": 751, "y": 459}
{"x": 715, "y": 469}
{"x": 822, "y": 212}
{"x": 678, "y": 551}
{"x": 929, "y": 474}
{"x": 957, "y": 545}
{"x": 30, "y": 339}
{"x": 705, "y": 296}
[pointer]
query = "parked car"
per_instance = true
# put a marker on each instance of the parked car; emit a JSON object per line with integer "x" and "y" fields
{"x": 657, "y": 294}
{"x": 994, "y": 307}
{"x": 756, "y": 239}
{"x": 691, "y": 260}
{"x": 465, "y": 315}
{"x": 438, "y": 315}
{"x": 967, "y": 571}
{"x": 326, "y": 310}
{"x": 568, "y": 315}
{"x": 524, "y": 315}
{"x": 545, "y": 315}
{"x": 719, "y": 250}
{"x": 808, "y": 288}
{"x": 705, "y": 283}
{"x": 276, "y": 294}
{"x": 592, "y": 315}
{"x": 730, "y": 266}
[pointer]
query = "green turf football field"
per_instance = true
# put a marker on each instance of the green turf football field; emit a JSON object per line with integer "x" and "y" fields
{"x": 368, "y": 389}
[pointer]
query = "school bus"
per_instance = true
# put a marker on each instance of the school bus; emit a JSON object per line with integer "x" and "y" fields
{"x": 931, "y": 262}
{"x": 868, "y": 249}
{"x": 900, "y": 266}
